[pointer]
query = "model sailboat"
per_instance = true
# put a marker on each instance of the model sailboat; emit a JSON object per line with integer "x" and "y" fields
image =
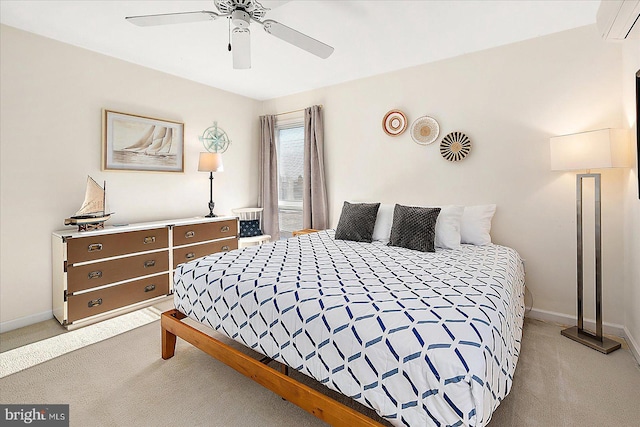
{"x": 92, "y": 214}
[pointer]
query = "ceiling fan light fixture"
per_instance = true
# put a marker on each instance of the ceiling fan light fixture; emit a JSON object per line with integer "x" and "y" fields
{"x": 241, "y": 48}
{"x": 240, "y": 18}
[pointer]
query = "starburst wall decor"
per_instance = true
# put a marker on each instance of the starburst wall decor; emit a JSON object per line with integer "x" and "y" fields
{"x": 455, "y": 146}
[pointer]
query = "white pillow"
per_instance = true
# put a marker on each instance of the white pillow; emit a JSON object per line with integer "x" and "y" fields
{"x": 448, "y": 227}
{"x": 476, "y": 224}
{"x": 384, "y": 221}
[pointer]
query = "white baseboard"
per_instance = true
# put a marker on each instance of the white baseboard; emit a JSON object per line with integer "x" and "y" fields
{"x": 10, "y": 325}
{"x": 633, "y": 345}
{"x": 568, "y": 320}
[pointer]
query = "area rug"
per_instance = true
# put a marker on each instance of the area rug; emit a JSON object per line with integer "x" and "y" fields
{"x": 24, "y": 357}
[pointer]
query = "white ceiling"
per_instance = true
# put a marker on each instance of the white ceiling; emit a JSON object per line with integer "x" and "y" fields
{"x": 369, "y": 37}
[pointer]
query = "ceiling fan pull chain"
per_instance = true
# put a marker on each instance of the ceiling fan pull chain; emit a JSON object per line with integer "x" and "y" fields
{"x": 229, "y": 21}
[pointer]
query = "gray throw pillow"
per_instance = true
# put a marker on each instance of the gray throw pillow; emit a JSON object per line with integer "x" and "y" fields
{"x": 357, "y": 221}
{"x": 414, "y": 228}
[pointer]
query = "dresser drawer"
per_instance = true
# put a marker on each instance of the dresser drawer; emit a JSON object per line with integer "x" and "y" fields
{"x": 187, "y": 234}
{"x": 107, "y": 245}
{"x": 100, "y": 301}
{"x": 189, "y": 253}
{"x": 102, "y": 273}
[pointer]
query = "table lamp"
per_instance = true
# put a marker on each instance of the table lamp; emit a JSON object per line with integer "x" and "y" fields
{"x": 210, "y": 162}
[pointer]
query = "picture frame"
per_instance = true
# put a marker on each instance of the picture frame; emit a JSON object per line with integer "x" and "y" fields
{"x": 131, "y": 142}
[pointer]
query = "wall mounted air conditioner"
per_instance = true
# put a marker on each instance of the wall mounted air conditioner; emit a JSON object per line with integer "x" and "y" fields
{"x": 618, "y": 19}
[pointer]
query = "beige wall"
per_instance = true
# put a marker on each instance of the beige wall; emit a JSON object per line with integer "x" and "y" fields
{"x": 509, "y": 100}
{"x": 631, "y": 64}
{"x": 51, "y": 101}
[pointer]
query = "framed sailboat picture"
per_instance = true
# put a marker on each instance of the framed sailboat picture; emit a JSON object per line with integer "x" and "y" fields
{"x": 137, "y": 143}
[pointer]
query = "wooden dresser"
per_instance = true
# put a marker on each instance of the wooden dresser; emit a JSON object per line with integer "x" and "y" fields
{"x": 104, "y": 273}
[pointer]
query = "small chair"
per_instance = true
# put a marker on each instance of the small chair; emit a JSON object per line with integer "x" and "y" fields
{"x": 250, "y": 226}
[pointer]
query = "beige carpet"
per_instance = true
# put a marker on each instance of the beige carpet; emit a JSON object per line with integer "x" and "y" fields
{"x": 26, "y": 356}
{"x": 122, "y": 381}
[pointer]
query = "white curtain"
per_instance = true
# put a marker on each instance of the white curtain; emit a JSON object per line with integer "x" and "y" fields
{"x": 315, "y": 209}
{"x": 268, "y": 194}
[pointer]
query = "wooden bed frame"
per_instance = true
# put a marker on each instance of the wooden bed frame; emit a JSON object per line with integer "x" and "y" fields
{"x": 312, "y": 401}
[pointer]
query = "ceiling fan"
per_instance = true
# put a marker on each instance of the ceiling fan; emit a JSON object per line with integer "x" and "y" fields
{"x": 241, "y": 13}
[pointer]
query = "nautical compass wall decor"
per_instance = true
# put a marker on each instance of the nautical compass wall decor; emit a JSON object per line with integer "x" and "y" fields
{"x": 215, "y": 139}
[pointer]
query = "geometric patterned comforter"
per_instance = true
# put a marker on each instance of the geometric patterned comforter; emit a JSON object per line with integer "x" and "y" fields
{"x": 422, "y": 338}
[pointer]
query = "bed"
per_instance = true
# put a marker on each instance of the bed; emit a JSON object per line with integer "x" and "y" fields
{"x": 421, "y": 338}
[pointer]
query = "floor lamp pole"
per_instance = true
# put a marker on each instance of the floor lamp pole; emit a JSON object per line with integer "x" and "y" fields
{"x": 211, "y": 204}
{"x": 577, "y": 333}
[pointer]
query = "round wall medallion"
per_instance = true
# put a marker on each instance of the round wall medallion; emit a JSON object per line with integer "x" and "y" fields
{"x": 394, "y": 123}
{"x": 455, "y": 146}
{"x": 425, "y": 130}
{"x": 215, "y": 139}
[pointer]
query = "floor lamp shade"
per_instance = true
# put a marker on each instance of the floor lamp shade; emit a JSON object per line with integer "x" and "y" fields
{"x": 598, "y": 149}
{"x": 210, "y": 162}
{"x": 605, "y": 148}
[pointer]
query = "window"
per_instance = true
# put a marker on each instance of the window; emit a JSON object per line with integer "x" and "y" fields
{"x": 290, "y": 147}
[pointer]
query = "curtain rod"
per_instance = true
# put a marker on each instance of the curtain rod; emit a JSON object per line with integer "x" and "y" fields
{"x": 295, "y": 111}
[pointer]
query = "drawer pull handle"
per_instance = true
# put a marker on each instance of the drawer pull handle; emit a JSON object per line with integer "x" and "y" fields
{"x": 149, "y": 239}
{"x": 94, "y": 302}
{"x": 189, "y": 234}
{"x": 190, "y": 255}
{"x": 149, "y": 288}
{"x": 225, "y": 248}
{"x": 95, "y": 274}
{"x": 224, "y": 229}
{"x": 95, "y": 247}
{"x": 149, "y": 263}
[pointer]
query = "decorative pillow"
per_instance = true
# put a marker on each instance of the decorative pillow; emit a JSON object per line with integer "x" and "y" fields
{"x": 414, "y": 228}
{"x": 250, "y": 228}
{"x": 448, "y": 227}
{"x": 382, "y": 230}
{"x": 475, "y": 227}
{"x": 357, "y": 221}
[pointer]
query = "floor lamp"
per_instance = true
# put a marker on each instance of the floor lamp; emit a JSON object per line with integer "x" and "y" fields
{"x": 210, "y": 162}
{"x": 605, "y": 148}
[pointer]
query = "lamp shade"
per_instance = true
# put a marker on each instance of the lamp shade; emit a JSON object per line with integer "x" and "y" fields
{"x": 210, "y": 162}
{"x": 598, "y": 149}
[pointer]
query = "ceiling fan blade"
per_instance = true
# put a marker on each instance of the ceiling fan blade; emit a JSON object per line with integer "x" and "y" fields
{"x": 241, "y": 48}
{"x": 298, "y": 39}
{"x": 172, "y": 18}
